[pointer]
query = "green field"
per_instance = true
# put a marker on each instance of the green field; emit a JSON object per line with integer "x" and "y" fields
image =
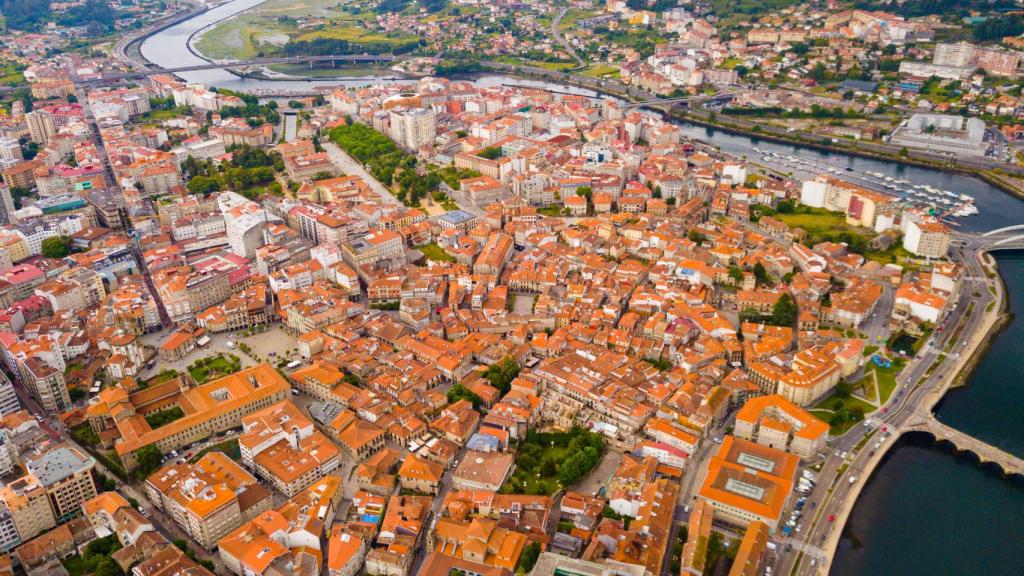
{"x": 358, "y": 35}
{"x": 818, "y": 222}
{"x": 239, "y": 38}
{"x": 267, "y": 26}
{"x": 535, "y": 63}
{"x": 341, "y": 71}
{"x": 10, "y": 73}
{"x": 602, "y": 71}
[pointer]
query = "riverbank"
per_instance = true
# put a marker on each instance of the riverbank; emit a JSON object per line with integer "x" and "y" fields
{"x": 1004, "y": 184}
{"x": 1012, "y": 186}
{"x": 1003, "y": 320}
{"x": 865, "y": 466}
{"x": 988, "y": 175}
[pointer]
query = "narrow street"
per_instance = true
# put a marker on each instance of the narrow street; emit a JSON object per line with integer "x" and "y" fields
{"x": 351, "y": 167}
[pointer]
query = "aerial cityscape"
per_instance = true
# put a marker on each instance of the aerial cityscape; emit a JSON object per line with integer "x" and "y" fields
{"x": 544, "y": 288}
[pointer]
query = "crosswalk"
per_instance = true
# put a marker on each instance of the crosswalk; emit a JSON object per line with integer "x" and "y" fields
{"x": 807, "y": 549}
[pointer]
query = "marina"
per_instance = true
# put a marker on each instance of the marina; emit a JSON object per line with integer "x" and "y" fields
{"x": 946, "y": 204}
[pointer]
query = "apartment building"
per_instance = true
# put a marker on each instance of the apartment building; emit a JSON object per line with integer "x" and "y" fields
{"x": 8, "y": 398}
{"x": 376, "y": 246}
{"x": 928, "y": 239}
{"x": 245, "y": 222}
{"x": 413, "y": 128}
{"x": 57, "y": 480}
{"x": 46, "y": 384}
{"x": 208, "y": 499}
{"x": 285, "y": 540}
{"x": 778, "y": 423}
{"x": 29, "y": 507}
{"x": 285, "y": 449}
{"x": 66, "y": 473}
{"x": 110, "y": 512}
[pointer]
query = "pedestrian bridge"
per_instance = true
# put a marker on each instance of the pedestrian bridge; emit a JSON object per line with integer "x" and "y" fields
{"x": 1003, "y": 230}
{"x": 985, "y": 452}
{"x": 1003, "y": 242}
{"x": 1008, "y": 238}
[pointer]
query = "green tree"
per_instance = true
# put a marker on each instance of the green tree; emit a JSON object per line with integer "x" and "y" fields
{"x": 460, "y": 392}
{"x": 844, "y": 389}
{"x": 501, "y": 374}
{"x": 786, "y": 207}
{"x": 148, "y": 459}
{"x": 818, "y": 73}
{"x": 761, "y": 275}
{"x": 56, "y": 247}
{"x": 784, "y": 311}
{"x": 736, "y": 274}
{"x": 549, "y": 467}
{"x": 204, "y": 185}
{"x": 529, "y": 557}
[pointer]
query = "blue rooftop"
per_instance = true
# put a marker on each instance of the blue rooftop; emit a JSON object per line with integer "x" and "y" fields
{"x": 457, "y": 217}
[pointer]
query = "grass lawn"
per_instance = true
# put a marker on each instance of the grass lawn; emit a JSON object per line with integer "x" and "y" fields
{"x": 161, "y": 115}
{"x": 897, "y": 253}
{"x": 163, "y": 376}
{"x": 229, "y": 448}
{"x": 825, "y": 409}
{"x": 829, "y": 403}
{"x": 886, "y": 378}
{"x": 164, "y": 417}
{"x": 602, "y": 71}
{"x": 838, "y": 430}
{"x": 526, "y": 482}
{"x": 730, "y": 63}
{"x": 435, "y": 253}
{"x": 206, "y": 369}
{"x": 818, "y": 222}
{"x": 83, "y": 434}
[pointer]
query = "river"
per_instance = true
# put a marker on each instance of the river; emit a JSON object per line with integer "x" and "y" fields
{"x": 923, "y": 511}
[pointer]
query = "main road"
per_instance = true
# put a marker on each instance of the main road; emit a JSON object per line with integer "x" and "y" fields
{"x": 556, "y": 33}
{"x": 922, "y": 382}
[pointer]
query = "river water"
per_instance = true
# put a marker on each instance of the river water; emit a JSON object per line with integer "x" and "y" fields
{"x": 924, "y": 511}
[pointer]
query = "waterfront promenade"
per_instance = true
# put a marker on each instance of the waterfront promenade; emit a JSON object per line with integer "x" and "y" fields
{"x": 920, "y": 387}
